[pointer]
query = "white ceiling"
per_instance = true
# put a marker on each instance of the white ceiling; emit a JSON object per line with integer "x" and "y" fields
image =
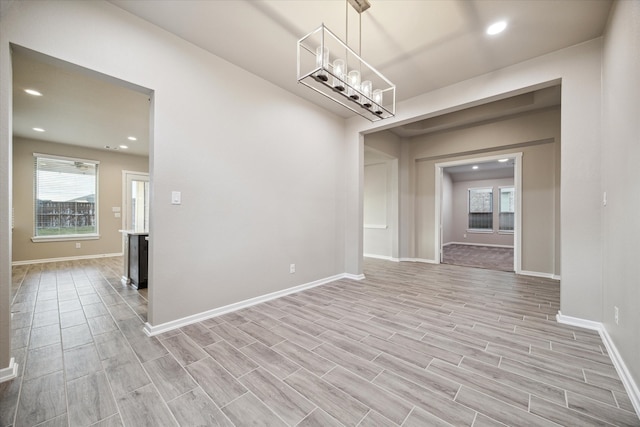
{"x": 418, "y": 45}
{"x": 485, "y": 170}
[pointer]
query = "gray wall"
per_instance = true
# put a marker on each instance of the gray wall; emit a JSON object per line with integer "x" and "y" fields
{"x": 109, "y": 195}
{"x": 621, "y": 172}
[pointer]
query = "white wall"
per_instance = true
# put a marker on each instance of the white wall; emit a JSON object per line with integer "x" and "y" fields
{"x": 459, "y": 220}
{"x": 259, "y": 190}
{"x": 621, "y": 172}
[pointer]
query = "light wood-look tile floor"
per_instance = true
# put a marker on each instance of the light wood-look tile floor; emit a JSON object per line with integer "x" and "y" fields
{"x": 411, "y": 345}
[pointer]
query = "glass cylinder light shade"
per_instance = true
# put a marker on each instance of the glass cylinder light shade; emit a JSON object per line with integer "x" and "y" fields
{"x": 377, "y": 100}
{"x": 339, "y": 72}
{"x": 329, "y": 67}
{"x": 354, "y": 84}
{"x": 365, "y": 88}
{"x": 322, "y": 60}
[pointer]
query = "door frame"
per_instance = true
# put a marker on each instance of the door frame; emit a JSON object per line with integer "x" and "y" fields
{"x": 517, "y": 183}
{"x": 126, "y": 177}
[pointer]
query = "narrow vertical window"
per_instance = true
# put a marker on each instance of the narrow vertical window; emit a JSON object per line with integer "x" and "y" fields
{"x": 507, "y": 208}
{"x": 65, "y": 197}
{"x": 481, "y": 209}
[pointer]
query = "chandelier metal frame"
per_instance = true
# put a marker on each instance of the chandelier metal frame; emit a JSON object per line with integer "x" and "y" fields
{"x": 330, "y": 67}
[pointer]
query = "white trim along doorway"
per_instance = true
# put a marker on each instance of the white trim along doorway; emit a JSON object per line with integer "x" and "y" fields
{"x": 517, "y": 177}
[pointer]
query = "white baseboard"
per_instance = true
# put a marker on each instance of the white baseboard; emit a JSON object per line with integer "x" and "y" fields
{"x": 621, "y": 368}
{"x": 538, "y": 274}
{"x": 580, "y": 323}
{"x": 384, "y": 257}
{"x": 152, "y": 330}
{"x": 423, "y": 260}
{"x": 478, "y": 244}
{"x": 10, "y": 372}
{"x": 344, "y": 276}
{"x": 69, "y": 258}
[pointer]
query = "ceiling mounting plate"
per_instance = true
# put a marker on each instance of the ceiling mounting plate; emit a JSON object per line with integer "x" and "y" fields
{"x": 360, "y": 5}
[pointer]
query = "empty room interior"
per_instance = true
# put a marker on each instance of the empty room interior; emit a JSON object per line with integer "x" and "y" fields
{"x": 319, "y": 213}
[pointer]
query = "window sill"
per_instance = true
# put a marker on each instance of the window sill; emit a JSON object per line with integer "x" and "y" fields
{"x": 65, "y": 238}
{"x": 477, "y": 231}
{"x": 376, "y": 226}
{"x": 505, "y": 232}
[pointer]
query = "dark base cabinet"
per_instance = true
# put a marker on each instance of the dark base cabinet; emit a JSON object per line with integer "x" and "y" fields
{"x": 138, "y": 260}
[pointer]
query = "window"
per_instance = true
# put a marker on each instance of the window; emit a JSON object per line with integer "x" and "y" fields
{"x": 507, "y": 208}
{"x": 481, "y": 209}
{"x": 65, "y": 198}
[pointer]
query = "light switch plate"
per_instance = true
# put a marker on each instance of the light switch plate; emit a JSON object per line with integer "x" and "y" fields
{"x": 176, "y": 198}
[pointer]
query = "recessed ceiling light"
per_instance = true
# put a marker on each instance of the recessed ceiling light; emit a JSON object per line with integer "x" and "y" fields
{"x": 33, "y": 92}
{"x": 132, "y": 138}
{"x": 124, "y": 147}
{"x": 38, "y": 129}
{"x": 503, "y": 160}
{"x": 496, "y": 28}
{"x": 475, "y": 167}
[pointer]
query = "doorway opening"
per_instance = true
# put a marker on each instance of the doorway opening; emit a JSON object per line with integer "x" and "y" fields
{"x": 63, "y": 110}
{"x": 380, "y": 205}
{"x": 478, "y": 212}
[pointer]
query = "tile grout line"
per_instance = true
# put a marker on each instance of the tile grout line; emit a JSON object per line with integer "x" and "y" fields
{"x": 26, "y": 354}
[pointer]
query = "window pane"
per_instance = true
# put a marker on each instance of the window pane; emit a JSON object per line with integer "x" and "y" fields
{"x": 480, "y": 200}
{"x": 481, "y": 208}
{"x": 507, "y": 200}
{"x": 481, "y": 221}
{"x": 65, "y": 191}
{"x": 507, "y": 208}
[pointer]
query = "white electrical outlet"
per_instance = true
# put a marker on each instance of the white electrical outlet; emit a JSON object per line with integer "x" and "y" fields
{"x": 292, "y": 268}
{"x": 78, "y": 245}
{"x": 604, "y": 199}
{"x": 464, "y": 235}
{"x": 616, "y": 314}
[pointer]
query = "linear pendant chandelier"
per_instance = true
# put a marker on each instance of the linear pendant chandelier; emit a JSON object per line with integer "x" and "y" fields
{"x": 330, "y": 67}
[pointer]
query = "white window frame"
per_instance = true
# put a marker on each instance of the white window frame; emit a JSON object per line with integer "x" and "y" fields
{"x": 65, "y": 237}
{"x": 512, "y": 187}
{"x": 480, "y": 230}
